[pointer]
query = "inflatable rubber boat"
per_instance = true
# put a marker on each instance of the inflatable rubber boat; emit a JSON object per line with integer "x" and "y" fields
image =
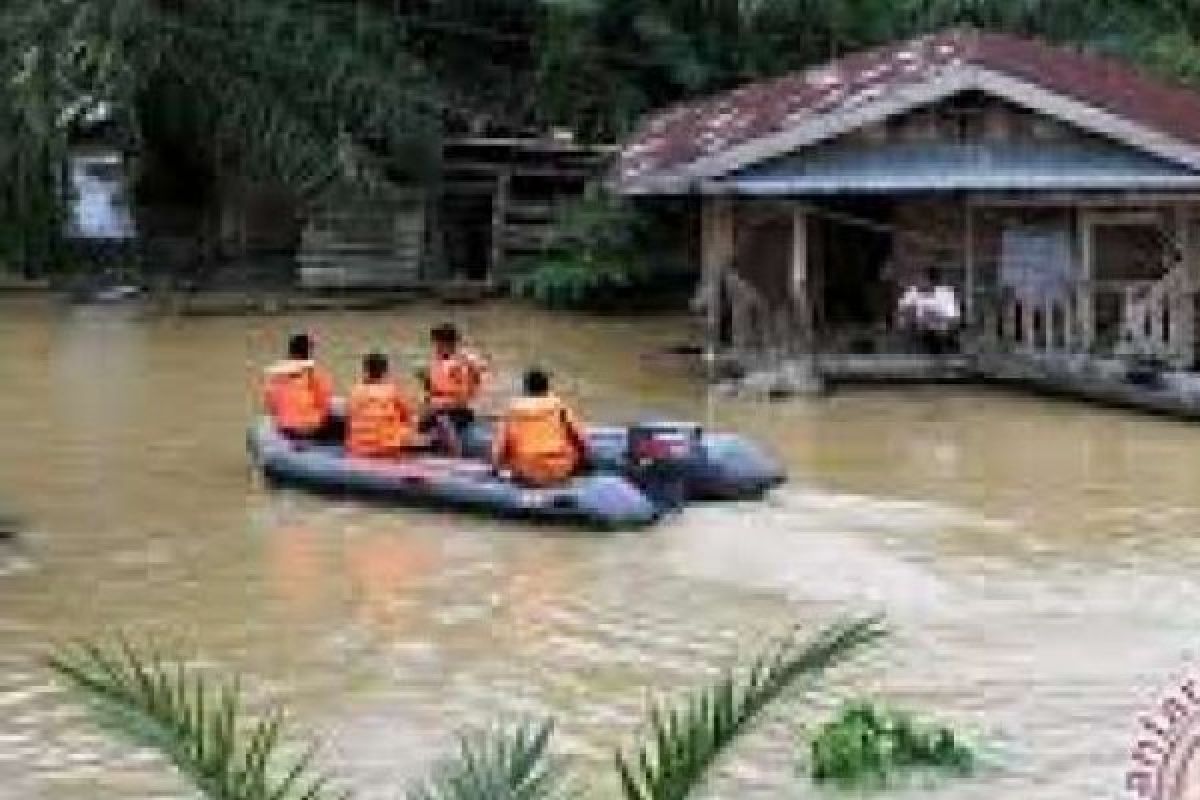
{"x": 595, "y": 499}
{"x": 634, "y": 474}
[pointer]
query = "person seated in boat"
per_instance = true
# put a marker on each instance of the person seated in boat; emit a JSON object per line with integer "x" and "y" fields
{"x": 539, "y": 438}
{"x": 452, "y": 382}
{"x": 298, "y": 394}
{"x": 380, "y": 422}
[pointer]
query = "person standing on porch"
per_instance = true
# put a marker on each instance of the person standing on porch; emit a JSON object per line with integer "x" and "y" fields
{"x": 932, "y": 312}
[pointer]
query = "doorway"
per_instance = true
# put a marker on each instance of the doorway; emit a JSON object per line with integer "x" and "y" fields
{"x": 851, "y": 246}
{"x": 466, "y": 222}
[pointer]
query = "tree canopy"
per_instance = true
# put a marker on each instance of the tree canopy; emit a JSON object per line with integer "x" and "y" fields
{"x": 308, "y": 91}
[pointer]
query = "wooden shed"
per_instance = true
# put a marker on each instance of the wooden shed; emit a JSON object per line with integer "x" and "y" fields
{"x": 1058, "y": 191}
{"x": 494, "y": 203}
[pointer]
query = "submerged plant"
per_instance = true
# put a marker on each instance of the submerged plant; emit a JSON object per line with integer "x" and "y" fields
{"x": 868, "y": 745}
{"x": 198, "y": 724}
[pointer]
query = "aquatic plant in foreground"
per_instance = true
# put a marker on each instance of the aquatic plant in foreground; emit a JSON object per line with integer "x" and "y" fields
{"x": 868, "y": 745}
{"x": 197, "y": 723}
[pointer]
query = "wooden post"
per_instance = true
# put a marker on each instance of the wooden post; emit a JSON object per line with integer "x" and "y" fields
{"x": 800, "y": 373}
{"x": 1029, "y": 313}
{"x": 716, "y": 253}
{"x": 803, "y": 338}
{"x": 1085, "y": 296}
{"x": 1181, "y": 303}
{"x": 1068, "y": 323}
{"x": 1049, "y": 328}
{"x": 499, "y": 224}
{"x": 969, "y": 268}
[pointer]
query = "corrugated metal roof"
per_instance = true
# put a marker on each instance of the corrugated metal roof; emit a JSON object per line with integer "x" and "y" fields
{"x": 672, "y": 139}
{"x": 901, "y": 166}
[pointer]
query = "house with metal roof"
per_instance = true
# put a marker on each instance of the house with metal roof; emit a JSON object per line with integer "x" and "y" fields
{"x": 1056, "y": 191}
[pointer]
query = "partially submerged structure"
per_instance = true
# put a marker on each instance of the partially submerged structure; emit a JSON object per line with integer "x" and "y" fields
{"x": 99, "y": 220}
{"x": 1058, "y": 191}
{"x": 491, "y": 203}
{"x": 494, "y": 203}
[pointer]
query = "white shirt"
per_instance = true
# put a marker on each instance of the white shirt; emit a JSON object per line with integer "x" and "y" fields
{"x": 937, "y": 307}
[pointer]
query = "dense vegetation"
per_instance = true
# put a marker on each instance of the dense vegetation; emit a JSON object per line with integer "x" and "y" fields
{"x": 596, "y": 65}
{"x": 309, "y": 91}
{"x": 197, "y": 724}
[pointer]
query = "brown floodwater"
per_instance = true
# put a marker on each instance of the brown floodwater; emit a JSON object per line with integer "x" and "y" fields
{"x": 1037, "y": 561}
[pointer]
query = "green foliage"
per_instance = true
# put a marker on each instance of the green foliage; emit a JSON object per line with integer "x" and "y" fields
{"x": 598, "y": 250}
{"x": 196, "y": 723}
{"x": 685, "y": 739}
{"x": 311, "y": 91}
{"x": 867, "y": 745}
{"x": 296, "y": 91}
{"x": 568, "y": 281}
{"x": 597, "y": 66}
{"x": 504, "y": 765}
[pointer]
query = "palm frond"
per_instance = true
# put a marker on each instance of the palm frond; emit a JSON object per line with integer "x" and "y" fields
{"x": 685, "y": 739}
{"x": 196, "y": 724}
{"x": 498, "y": 765}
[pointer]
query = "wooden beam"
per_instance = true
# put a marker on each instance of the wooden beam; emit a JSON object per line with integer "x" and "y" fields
{"x": 1080, "y": 199}
{"x": 571, "y": 173}
{"x": 542, "y": 145}
{"x": 1126, "y": 217}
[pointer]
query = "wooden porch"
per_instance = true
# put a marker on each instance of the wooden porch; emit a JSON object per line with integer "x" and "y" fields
{"x": 1044, "y": 279}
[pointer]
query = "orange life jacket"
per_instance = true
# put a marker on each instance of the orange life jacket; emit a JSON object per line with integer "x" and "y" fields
{"x": 298, "y": 395}
{"x": 379, "y": 420}
{"x": 455, "y": 380}
{"x": 540, "y": 440}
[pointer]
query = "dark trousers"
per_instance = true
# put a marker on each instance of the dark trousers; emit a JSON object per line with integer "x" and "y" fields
{"x": 449, "y": 427}
{"x": 938, "y": 343}
{"x": 332, "y": 431}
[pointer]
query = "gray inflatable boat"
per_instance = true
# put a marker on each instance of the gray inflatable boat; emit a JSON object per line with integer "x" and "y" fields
{"x": 596, "y": 499}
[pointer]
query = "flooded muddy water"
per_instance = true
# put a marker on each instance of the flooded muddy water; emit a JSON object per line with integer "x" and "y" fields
{"x": 1037, "y": 560}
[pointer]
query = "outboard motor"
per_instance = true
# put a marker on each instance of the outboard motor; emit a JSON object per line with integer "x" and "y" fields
{"x": 661, "y": 456}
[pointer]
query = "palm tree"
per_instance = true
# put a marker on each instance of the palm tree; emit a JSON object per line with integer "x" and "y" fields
{"x": 298, "y": 92}
{"x": 197, "y": 724}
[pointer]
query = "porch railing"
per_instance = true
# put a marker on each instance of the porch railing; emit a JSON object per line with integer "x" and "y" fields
{"x": 1120, "y": 318}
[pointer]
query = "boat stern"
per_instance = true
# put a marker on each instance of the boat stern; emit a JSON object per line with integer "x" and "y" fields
{"x": 735, "y": 469}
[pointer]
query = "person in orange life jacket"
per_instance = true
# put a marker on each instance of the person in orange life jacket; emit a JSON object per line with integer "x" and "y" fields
{"x": 539, "y": 438}
{"x": 452, "y": 383}
{"x": 298, "y": 394}
{"x": 379, "y": 418}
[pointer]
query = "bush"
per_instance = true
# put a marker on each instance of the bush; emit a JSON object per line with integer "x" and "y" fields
{"x": 570, "y": 281}
{"x": 597, "y": 252}
{"x": 870, "y": 746}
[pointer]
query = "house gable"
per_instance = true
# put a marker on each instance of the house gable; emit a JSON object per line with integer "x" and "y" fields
{"x": 682, "y": 147}
{"x": 969, "y": 141}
